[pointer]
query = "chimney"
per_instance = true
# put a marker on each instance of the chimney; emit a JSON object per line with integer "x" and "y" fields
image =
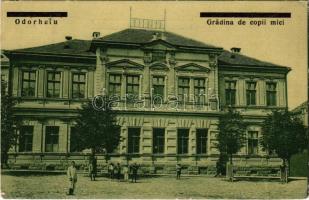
{"x": 235, "y": 49}
{"x": 68, "y": 37}
{"x": 66, "y": 44}
{"x": 96, "y": 35}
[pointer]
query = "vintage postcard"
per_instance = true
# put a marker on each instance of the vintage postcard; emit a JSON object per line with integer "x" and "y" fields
{"x": 154, "y": 99}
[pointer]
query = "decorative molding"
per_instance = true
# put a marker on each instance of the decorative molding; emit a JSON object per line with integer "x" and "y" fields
{"x": 104, "y": 58}
{"x": 159, "y": 44}
{"x": 67, "y": 67}
{"x": 251, "y": 77}
{"x": 192, "y": 67}
{"x": 125, "y": 63}
{"x": 158, "y": 66}
{"x": 41, "y": 67}
{"x": 147, "y": 59}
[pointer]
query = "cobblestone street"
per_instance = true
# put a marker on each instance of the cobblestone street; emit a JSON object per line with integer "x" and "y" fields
{"x": 55, "y": 186}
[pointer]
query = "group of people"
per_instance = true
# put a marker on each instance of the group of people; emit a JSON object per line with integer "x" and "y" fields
{"x": 116, "y": 171}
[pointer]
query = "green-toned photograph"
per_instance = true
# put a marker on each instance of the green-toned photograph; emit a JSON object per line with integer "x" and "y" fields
{"x": 154, "y": 100}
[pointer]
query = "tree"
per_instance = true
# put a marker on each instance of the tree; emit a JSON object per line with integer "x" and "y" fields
{"x": 8, "y": 135}
{"x": 96, "y": 127}
{"x": 284, "y": 134}
{"x": 231, "y": 136}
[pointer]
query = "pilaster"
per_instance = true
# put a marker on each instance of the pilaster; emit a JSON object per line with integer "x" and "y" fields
{"x": 171, "y": 139}
{"x": 16, "y": 82}
{"x": 66, "y": 74}
{"x": 241, "y": 92}
{"x": 261, "y": 92}
{"x": 90, "y": 82}
{"x": 124, "y": 140}
{"x": 146, "y": 139}
{"x": 63, "y": 137}
{"x": 41, "y": 79}
{"x": 37, "y": 137}
{"x": 192, "y": 140}
{"x": 171, "y": 81}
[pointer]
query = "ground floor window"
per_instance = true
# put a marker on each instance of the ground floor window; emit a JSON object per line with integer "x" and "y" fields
{"x": 158, "y": 140}
{"x": 73, "y": 140}
{"x": 25, "y": 139}
{"x": 253, "y": 142}
{"x": 201, "y": 141}
{"x": 133, "y": 140}
{"x": 52, "y": 138}
{"x": 182, "y": 141}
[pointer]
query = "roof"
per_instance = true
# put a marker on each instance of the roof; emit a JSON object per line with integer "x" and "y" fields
{"x": 142, "y": 36}
{"x": 231, "y": 58}
{"x": 70, "y": 47}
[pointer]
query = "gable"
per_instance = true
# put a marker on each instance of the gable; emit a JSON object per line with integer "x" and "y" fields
{"x": 159, "y": 45}
{"x": 124, "y": 63}
{"x": 158, "y": 66}
{"x": 192, "y": 67}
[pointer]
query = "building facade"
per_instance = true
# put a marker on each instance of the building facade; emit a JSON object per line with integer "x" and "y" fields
{"x": 169, "y": 90}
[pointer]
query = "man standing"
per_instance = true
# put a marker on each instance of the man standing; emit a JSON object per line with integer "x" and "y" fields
{"x": 94, "y": 170}
{"x": 134, "y": 169}
{"x": 72, "y": 176}
{"x": 111, "y": 171}
{"x": 118, "y": 171}
{"x": 178, "y": 170}
{"x": 90, "y": 168}
{"x": 126, "y": 173}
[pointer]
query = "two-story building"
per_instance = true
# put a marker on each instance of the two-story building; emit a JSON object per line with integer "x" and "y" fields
{"x": 170, "y": 91}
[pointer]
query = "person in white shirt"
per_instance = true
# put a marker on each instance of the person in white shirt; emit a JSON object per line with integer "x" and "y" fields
{"x": 72, "y": 176}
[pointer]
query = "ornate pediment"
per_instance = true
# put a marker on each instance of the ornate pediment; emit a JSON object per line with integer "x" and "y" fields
{"x": 158, "y": 66}
{"x": 192, "y": 67}
{"x": 124, "y": 63}
{"x": 159, "y": 45}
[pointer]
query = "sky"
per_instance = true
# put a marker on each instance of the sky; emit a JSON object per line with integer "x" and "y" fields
{"x": 280, "y": 44}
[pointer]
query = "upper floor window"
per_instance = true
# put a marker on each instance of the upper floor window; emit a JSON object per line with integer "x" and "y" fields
{"x": 253, "y": 142}
{"x": 199, "y": 90}
{"x": 78, "y": 85}
{"x": 53, "y": 84}
{"x": 132, "y": 85}
{"x": 52, "y": 139}
{"x": 25, "y": 139}
{"x": 251, "y": 93}
{"x": 158, "y": 89}
{"x": 114, "y": 85}
{"x": 230, "y": 93}
{"x": 158, "y": 56}
{"x": 271, "y": 94}
{"x": 28, "y": 84}
{"x": 183, "y": 89}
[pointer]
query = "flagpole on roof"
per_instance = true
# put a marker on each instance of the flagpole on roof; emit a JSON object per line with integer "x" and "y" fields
{"x": 164, "y": 26}
{"x": 130, "y": 17}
